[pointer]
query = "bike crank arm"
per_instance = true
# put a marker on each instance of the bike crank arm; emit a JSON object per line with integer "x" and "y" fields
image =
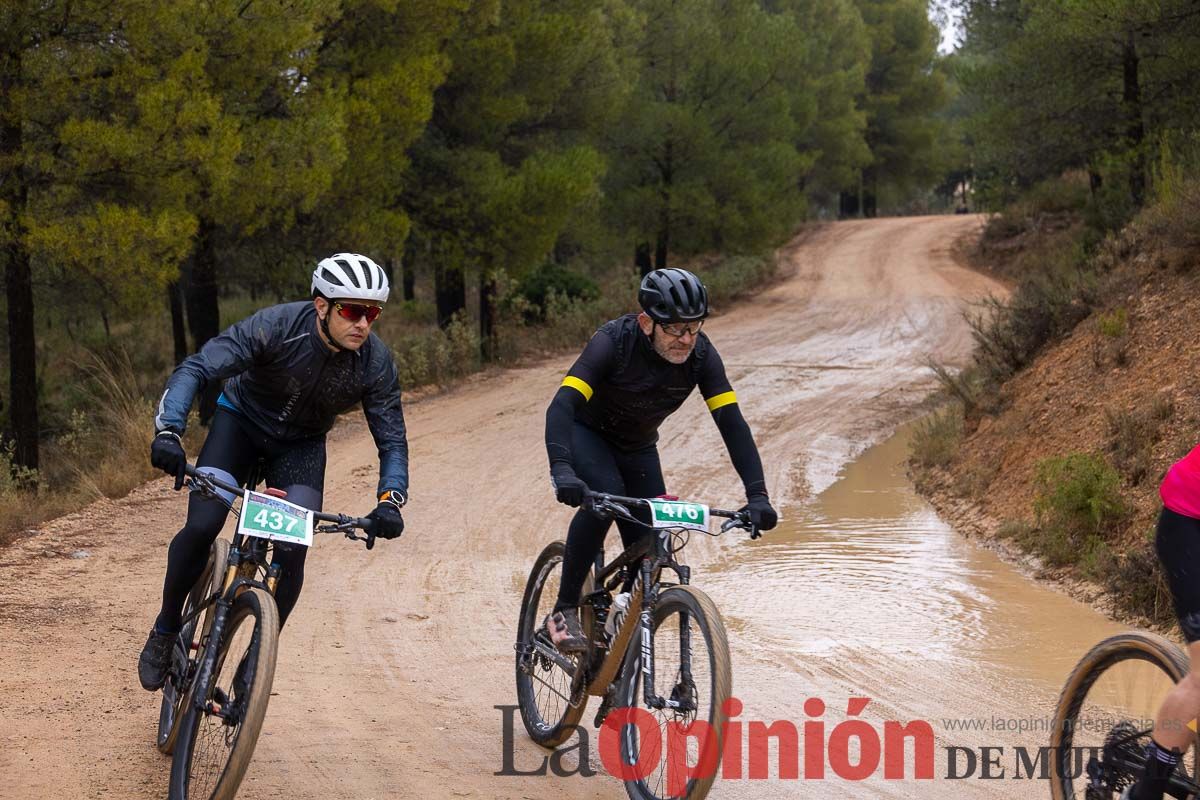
{"x": 547, "y": 651}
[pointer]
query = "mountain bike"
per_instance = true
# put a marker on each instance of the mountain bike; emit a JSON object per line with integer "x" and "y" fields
{"x": 680, "y": 674}
{"x": 223, "y": 660}
{"x": 1105, "y": 714}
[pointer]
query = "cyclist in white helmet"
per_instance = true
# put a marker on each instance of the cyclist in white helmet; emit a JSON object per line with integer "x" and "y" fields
{"x": 289, "y": 370}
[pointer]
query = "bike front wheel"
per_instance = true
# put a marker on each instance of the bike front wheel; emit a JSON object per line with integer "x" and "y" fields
{"x": 677, "y": 756}
{"x": 188, "y": 645}
{"x": 217, "y": 740}
{"x": 1105, "y": 715}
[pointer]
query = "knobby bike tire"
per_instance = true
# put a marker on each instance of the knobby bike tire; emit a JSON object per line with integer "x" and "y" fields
{"x": 175, "y": 697}
{"x": 708, "y": 620}
{"x": 546, "y": 732}
{"x": 1134, "y": 645}
{"x": 257, "y": 606}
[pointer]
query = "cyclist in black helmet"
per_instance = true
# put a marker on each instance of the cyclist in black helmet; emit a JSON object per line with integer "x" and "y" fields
{"x": 602, "y": 426}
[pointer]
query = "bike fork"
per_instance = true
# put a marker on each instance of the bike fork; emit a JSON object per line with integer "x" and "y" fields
{"x": 649, "y": 595}
{"x": 208, "y": 659}
{"x": 678, "y": 700}
{"x": 685, "y": 640}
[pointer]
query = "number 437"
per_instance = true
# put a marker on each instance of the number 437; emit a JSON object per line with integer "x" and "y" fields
{"x": 274, "y": 521}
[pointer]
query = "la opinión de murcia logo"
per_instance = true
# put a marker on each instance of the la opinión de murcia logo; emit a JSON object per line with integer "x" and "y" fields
{"x": 854, "y": 749}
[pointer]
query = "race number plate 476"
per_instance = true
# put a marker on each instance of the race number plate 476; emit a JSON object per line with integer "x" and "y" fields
{"x": 672, "y": 514}
{"x": 269, "y": 517}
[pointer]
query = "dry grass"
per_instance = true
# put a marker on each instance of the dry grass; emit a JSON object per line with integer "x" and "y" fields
{"x": 103, "y": 452}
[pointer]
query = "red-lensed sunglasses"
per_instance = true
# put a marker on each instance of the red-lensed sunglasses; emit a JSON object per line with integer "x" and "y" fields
{"x": 356, "y": 311}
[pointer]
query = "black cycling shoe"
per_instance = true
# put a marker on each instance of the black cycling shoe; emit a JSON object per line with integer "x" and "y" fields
{"x": 155, "y": 660}
{"x": 566, "y": 632}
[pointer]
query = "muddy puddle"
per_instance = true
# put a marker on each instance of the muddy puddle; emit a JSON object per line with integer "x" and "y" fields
{"x": 864, "y": 592}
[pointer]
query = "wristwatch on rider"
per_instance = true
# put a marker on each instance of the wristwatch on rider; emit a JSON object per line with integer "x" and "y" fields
{"x": 395, "y": 497}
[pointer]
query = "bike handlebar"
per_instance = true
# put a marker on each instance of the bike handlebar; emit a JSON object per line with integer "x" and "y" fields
{"x": 339, "y": 523}
{"x": 602, "y": 502}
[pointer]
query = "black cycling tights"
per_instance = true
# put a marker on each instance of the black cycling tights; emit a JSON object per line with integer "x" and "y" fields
{"x": 1178, "y": 545}
{"x": 603, "y": 468}
{"x": 233, "y": 446}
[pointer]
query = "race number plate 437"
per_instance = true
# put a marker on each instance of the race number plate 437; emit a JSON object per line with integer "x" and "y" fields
{"x": 672, "y": 514}
{"x": 269, "y": 517}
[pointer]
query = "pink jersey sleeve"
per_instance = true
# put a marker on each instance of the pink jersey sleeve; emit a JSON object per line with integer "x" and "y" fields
{"x": 1180, "y": 489}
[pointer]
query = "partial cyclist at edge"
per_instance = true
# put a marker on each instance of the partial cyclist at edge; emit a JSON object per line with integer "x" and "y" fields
{"x": 290, "y": 370}
{"x": 1177, "y": 541}
{"x": 602, "y": 425}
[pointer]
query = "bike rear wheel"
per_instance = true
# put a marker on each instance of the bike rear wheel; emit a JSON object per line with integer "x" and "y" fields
{"x": 216, "y": 743}
{"x": 189, "y": 645}
{"x": 1105, "y": 714}
{"x": 686, "y": 627}
{"x": 544, "y": 676}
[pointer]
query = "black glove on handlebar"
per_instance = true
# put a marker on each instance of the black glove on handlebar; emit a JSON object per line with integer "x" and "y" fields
{"x": 166, "y": 453}
{"x": 762, "y": 515}
{"x": 568, "y": 488}
{"x": 388, "y": 522}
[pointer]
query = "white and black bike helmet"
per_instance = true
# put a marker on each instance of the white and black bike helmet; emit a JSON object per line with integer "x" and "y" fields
{"x": 349, "y": 276}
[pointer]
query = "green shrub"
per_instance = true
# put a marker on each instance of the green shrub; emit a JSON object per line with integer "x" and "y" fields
{"x": 548, "y": 280}
{"x": 1172, "y": 223}
{"x": 937, "y": 437}
{"x": 973, "y": 482}
{"x": 731, "y": 277}
{"x": 1009, "y": 334}
{"x": 1069, "y": 193}
{"x": 14, "y": 477}
{"x": 1111, "y": 344}
{"x": 1018, "y": 529}
{"x": 1135, "y": 579}
{"x": 433, "y": 356}
{"x": 967, "y": 386}
{"x": 1132, "y": 435}
{"x": 1114, "y": 324}
{"x": 1097, "y": 561}
{"x": 1076, "y": 498}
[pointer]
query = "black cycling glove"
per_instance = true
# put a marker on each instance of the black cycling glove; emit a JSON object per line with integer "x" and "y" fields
{"x": 166, "y": 453}
{"x": 762, "y": 515}
{"x": 388, "y": 522}
{"x": 568, "y": 488}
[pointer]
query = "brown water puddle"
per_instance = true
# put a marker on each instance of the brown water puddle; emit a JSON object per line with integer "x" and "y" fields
{"x": 865, "y": 592}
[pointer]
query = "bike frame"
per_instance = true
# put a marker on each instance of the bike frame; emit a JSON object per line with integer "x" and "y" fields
{"x": 651, "y": 555}
{"x": 247, "y": 555}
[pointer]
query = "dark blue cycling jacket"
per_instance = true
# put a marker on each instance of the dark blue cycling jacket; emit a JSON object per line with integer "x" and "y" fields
{"x": 284, "y": 380}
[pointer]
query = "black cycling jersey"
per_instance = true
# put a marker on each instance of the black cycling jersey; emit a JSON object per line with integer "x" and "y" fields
{"x": 286, "y": 382}
{"x": 623, "y": 390}
{"x": 630, "y": 389}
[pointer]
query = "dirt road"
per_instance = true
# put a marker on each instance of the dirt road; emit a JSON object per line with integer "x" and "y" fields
{"x": 392, "y": 666}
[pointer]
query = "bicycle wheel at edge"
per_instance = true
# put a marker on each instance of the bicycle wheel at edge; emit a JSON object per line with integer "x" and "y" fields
{"x": 1163, "y": 664}
{"x": 541, "y": 683}
{"x": 212, "y": 755}
{"x": 173, "y": 698}
{"x": 712, "y": 683}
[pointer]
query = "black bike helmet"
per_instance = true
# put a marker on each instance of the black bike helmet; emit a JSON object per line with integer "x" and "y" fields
{"x": 673, "y": 295}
